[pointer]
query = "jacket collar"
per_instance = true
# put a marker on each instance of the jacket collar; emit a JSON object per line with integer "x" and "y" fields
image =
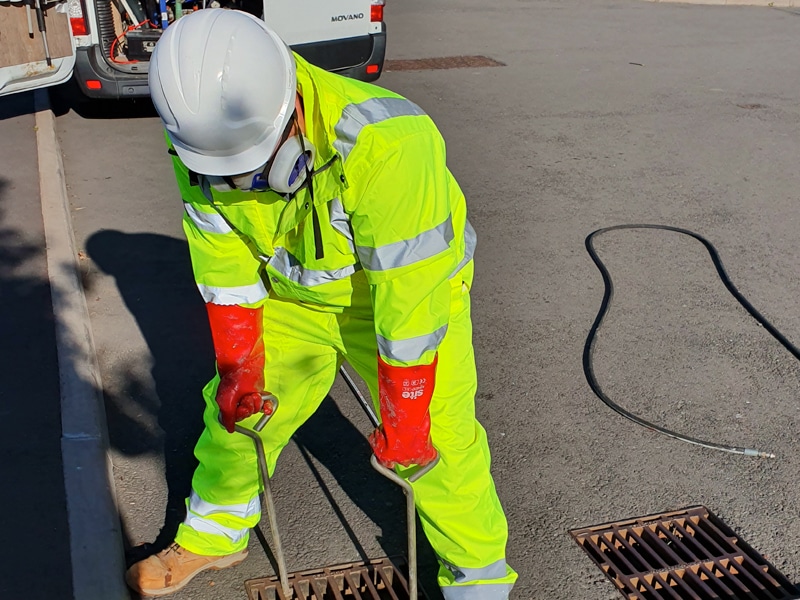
{"x": 331, "y": 182}
{"x": 319, "y": 128}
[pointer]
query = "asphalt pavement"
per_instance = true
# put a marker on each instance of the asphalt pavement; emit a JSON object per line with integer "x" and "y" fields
{"x": 35, "y": 531}
{"x": 606, "y": 112}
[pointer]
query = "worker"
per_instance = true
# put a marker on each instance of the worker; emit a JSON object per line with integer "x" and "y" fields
{"x": 323, "y": 226}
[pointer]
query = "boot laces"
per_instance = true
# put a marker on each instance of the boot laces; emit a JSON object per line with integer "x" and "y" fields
{"x": 173, "y": 548}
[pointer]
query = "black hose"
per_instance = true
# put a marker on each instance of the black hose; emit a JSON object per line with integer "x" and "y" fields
{"x": 604, "y": 305}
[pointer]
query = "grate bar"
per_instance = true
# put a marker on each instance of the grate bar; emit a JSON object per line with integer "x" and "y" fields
{"x": 683, "y": 550}
{"x": 652, "y": 553}
{"x": 387, "y": 583}
{"x": 320, "y": 591}
{"x": 728, "y": 573}
{"x": 595, "y": 545}
{"x": 664, "y": 586}
{"x": 694, "y": 577}
{"x": 726, "y": 569}
{"x": 720, "y": 583}
{"x": 682, "y": 555}
{"x": 679, "y": 584}
{"x": 683, "y": 584}
{"x": 688, "y": 531}
{"x": 371, "y": 587}
{"x": 657, "y": 542}
{"x": 754, "y": 575}
{"x": 714, "y": 532}
{"x": 622, "y": 536}
{"x": 665, "y": 553}
{"x": 353, "y": 586}
{"x": 379, "y": 579}
{"x": 763, "y": 573}
{"x": 624, "y": 558}
{"x": 679, "y": 543}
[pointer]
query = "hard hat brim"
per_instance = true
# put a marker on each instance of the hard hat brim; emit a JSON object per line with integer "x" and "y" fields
{"x": 235, "y": 164}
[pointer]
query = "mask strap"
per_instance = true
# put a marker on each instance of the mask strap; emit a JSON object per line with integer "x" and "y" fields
{"x": 319, "y": 250}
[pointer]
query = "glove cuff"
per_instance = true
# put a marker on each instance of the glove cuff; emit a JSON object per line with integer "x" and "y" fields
{"x": 237, "y": 334}
{"x": 405, "y": 393}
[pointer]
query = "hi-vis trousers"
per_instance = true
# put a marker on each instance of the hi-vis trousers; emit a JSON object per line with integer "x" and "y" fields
{"x": 456, "y": 501}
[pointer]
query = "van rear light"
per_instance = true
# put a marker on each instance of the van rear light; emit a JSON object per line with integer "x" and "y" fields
{"x": 78, "y": 26}
{"x": 77, "y": 17}
{"x": 372, "y": 69}
{"x": 93, "y": 84}
{"x": 376, "y": 11}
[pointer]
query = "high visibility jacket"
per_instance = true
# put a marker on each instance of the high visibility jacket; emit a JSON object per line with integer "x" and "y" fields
{"x": 393, "y": 221}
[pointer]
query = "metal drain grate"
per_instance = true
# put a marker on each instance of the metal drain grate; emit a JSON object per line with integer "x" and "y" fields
{"x": 379, "y": 579}
{"x": 445, "y": 62}
{"x": 684, "y": 555}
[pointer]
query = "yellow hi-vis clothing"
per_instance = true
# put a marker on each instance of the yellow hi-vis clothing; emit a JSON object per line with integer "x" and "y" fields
{"x": 393, "y": 279}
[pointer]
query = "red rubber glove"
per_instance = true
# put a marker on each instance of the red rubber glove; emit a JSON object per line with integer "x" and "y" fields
{"x": 405, "y": 397}
{"x": 239, "y": 347}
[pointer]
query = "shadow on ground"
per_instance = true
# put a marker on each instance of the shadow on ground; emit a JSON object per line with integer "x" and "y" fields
{"x": 153, "y": 274}
{"x": 16, "y": 105}
{"x": 68, "y": 97}
{"x": 35, "y": 530}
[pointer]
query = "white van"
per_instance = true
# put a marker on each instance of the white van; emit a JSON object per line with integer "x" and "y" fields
{"x": 107, "y": 43}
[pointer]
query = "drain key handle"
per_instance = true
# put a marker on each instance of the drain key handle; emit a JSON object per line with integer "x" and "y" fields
{"x": 411, "y": 521}
{"x": 365, "y": 404}
{"x": 268, "y": 500}
{"x": 411, "y": 510}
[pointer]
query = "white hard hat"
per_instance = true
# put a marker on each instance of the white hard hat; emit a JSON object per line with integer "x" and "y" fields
{"x": 224, "y": 85}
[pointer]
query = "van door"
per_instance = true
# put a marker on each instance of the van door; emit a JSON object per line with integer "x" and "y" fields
{"x": 304, "y": 21}
{"x": 36, "y": 45}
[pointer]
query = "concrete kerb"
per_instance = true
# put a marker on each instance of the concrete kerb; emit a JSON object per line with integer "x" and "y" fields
{"x": 94, "y": 527}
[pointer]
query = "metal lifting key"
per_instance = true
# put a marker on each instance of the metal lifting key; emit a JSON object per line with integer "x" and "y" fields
{"x": 301, "y": 581}
{"x": 411, "y": 511}
{"x": 268, "y": 500}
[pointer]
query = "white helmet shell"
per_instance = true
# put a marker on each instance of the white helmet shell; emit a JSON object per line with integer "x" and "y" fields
{"x": 224, "y": 85}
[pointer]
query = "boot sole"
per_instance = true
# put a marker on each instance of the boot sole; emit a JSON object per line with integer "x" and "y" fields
{"x": 226, "y": 562}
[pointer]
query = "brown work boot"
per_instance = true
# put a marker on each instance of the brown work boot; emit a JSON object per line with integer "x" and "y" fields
{"x": 171, "y": 569}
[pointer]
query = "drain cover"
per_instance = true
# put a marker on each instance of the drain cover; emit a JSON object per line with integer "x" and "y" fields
{"x": 379, "y": 579}
{"x": 446, "y": 62}
{"x": 684, "y": 555}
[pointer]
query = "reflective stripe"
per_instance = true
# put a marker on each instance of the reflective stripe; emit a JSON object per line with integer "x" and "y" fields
{"x": 407, "y": 252}
{"x": 411, "y": 349}
{"x": 340, "y": 221}
{"x": 496, "y": 570}
{"x": 470, "y": 241}
{"x": 208, "y": 526}
{"x": 211, "y": 222}
{"x": 204, "y": 509}
{"x": 357, "y": 116}
{"x": 288, "y": 266}
{"x": 227, "y": 296}
{"x": 484, "y": 591}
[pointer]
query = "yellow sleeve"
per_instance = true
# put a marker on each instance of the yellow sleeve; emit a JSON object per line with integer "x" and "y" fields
{"x": 226, "y": 267}
{"x": 402, "y": 222}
